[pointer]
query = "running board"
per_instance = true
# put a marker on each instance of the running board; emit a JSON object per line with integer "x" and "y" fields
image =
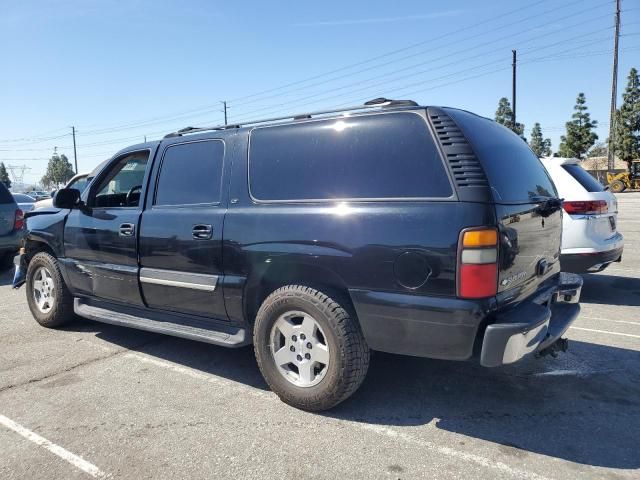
{"x": 201, "y": 331}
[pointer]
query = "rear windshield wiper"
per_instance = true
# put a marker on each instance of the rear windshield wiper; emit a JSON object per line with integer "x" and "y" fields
{"x": 547, "y": 205}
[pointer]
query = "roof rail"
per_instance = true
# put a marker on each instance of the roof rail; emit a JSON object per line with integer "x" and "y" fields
{"x": 375, "y": 103}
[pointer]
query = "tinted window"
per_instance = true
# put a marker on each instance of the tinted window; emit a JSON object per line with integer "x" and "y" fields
{"x": 513, "y": 170}
{"x": 381, "y": 156}
{"x": 191, "y": 174}
{"x": 5, "y": 195}
{"x": 584, "y": 178}
{"x": 21, "y": 198}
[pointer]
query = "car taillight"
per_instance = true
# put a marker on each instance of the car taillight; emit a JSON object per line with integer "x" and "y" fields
{"x": 478, "y": 263}
{"x": 587, "y": 207}
{"x": 19, "y": 220}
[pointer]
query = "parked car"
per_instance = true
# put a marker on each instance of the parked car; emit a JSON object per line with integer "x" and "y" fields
{"x": 11, "y": 227}
{"x": 25, "y": 202}
{"x": 590, "y": 239}
{"x": 414, "y": 230}
{"x": 39, "y": 195}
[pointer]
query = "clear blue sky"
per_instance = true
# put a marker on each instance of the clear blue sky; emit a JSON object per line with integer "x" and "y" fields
{"x": 122, "y": 70}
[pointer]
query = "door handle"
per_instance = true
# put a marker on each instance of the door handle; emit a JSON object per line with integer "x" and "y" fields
{"x": 202, "y": 232}
{"x": 127, "y": 230}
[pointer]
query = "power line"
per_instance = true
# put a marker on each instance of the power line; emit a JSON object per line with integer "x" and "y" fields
{"x": 210, "y": 108}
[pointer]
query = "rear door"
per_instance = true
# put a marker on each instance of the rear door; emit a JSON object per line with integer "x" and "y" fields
{"x": 181, "y": 230}
{"x": 526, "y": 203}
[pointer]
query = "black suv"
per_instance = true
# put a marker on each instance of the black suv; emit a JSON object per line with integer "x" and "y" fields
{"x": 422, "y": 231}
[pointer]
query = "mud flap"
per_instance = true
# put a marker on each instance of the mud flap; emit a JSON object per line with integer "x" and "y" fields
{"x": 20, "y": 273}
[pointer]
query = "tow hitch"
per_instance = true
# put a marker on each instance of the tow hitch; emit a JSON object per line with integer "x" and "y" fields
{"x": 560, "y": 345}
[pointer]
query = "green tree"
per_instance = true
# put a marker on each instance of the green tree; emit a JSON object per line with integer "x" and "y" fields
{"x": 598, "y": 150}
{"x": 580, "y": 136}
{"x": 627, "y": 122}
{"x": 59, "y": 171}
{"x": 4, "y": 176}
{"x": 504, "y": 116}
{"x": 540, "y": 146}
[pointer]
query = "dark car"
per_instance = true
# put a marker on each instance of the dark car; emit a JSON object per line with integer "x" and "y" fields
{"x": 422, "y": 231}
{"x": 11, "y": 227}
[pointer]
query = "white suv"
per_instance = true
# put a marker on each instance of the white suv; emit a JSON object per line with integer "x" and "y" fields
{"x": 590, "y": 240}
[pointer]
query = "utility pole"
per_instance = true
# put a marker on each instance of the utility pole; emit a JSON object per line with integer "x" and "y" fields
{"x": 75, "y": 155}
{"x": 224, "y": 105}
{"x": 513, "y": 87}
{"x": 614, "y": 93}
{"x": 145, "y": 139}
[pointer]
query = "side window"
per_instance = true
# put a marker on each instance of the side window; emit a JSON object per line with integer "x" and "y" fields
{"x": 364, "y": 157}
{"x": 191, "y": 174}
{"x": 123, "y": 183}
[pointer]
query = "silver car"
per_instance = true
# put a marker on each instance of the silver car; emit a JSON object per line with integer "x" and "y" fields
{"x": 25, "y": 202}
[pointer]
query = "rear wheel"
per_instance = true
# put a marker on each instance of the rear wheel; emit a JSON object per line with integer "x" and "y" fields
{"x": 309, "y": 349}
{"x": 49, "y": 299}
{"x": 617, "y": 186}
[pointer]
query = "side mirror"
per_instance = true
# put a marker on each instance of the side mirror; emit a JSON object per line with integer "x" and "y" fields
{"x": 67, "y": 198}
{"x": 53, "y": 193}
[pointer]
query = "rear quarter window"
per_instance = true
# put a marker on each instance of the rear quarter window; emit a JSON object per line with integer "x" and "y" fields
{"x": 364, "y": 157}
{"x": 5, "y": 195}
{"x": 514, "y": 172}
{"x": 584, "y": 178}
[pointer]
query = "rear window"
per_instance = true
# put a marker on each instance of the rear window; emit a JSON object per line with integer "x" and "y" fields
{"x": 22, "y": 198}
{"x": 514, "y": 172}
{"x": 5, "y": 195}
{"x": 584, "y": 178}
{"x": 366, "y": 157}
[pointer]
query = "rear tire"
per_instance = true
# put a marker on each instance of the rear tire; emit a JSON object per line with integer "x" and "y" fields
{"x": 327, "y": 353}
{"x": 617, "y": 186}
{"x": 49, "y": 299}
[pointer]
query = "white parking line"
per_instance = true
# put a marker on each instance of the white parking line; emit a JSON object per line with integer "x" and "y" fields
{"x": 605, "y": 331}
{"x": 73, "y": 459}
{"x": 197, "y": 375}
{"x": 610, "y": 320}
{"x": 486, "y": 462}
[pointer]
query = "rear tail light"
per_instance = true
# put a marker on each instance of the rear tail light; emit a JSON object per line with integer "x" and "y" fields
{"x": 478, "y": 263}
{"x": 19, "y": 220}
{"x": 588, "y": 207}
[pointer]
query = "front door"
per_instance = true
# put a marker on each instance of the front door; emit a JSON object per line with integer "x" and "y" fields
{"x": 101, "y": 240}
{"x": 181, "y": 230}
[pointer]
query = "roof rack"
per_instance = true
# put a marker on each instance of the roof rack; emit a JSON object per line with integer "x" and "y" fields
{"x": 375, "y": 103}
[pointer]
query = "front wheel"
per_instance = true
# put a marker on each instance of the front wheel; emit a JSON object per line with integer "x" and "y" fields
{"x": 49, "y": 299}
{"x": 309, "y": 349}
{"x": 617, "y": 186}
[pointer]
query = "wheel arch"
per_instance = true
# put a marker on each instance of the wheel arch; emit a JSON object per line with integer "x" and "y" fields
{"x": 260, "y": 284}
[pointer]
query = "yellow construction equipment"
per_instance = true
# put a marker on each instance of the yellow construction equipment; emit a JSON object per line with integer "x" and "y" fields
{"x": 619, "y": 182}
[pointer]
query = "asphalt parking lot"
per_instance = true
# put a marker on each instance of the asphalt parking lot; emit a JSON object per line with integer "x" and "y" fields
{"x": 103, "y": 401}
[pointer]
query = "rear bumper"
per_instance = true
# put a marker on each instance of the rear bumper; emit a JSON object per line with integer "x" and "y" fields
{"x": 11, "y": 241}
{"x": 591, "y": 261}
{"x": 533, "y": 324}
{"x": 450, "y": 328}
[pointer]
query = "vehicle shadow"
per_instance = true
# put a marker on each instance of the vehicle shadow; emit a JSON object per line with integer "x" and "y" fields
{"x": 583, "y": 406}
{"x": 610, "y": 290}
